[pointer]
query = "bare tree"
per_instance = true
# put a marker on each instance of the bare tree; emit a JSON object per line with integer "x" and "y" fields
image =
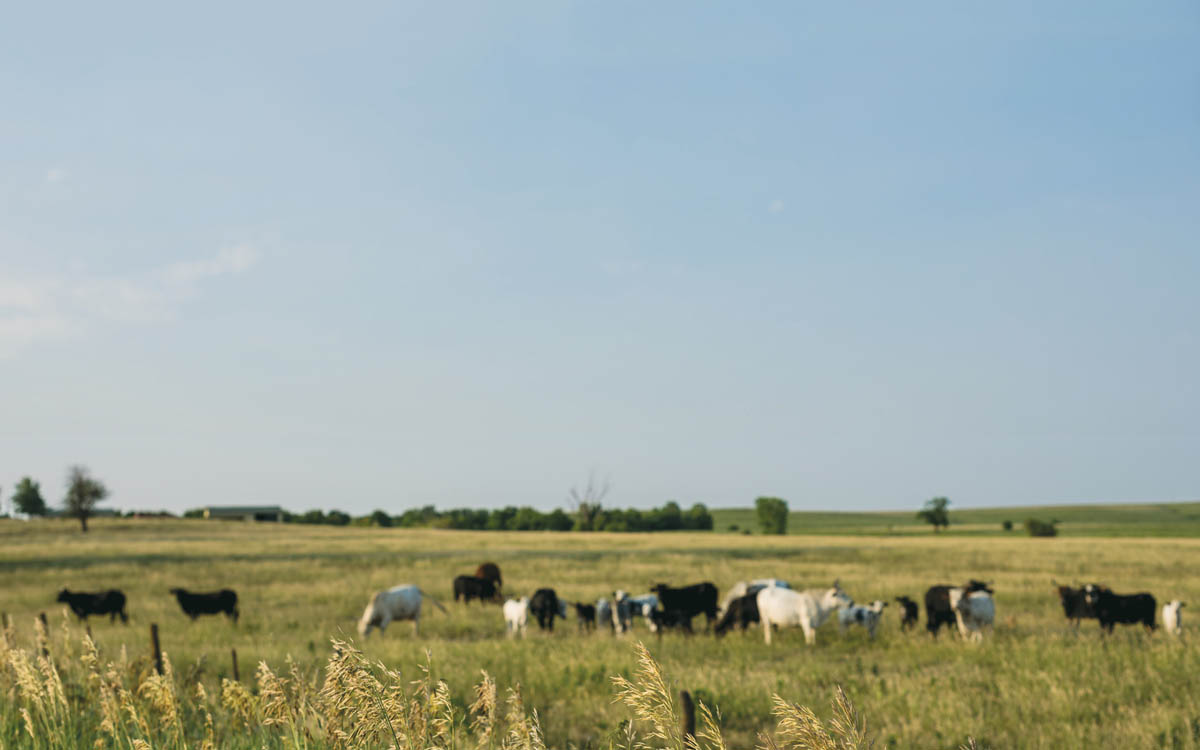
{"x": 83, "y": 492}
{"x": 586, "y": 504}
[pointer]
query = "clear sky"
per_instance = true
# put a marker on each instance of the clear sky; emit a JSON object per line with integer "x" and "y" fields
{"x": 392, "y": 254}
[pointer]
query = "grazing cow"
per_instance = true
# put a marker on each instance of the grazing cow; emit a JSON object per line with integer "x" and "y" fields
{"x": 516, "y": 616}
{"x": 626, "y": 607}
{"x": 857, "y": 614}
{"x": 604, "y": 613}
{"x": 682, "y": 604}
{"x": 545, "y": 606}
{"x": 401, "y": 602}
{"x": 911, "y": 612}
{"x": 1172, "y": 614}
{"x": 585, "y": 615}
{"x": 207, "y": 603}
{"x": 665, "y": 619}
{"x": 1126, "y": 609}
{"x": 808, "y": 609}
{"x": 973, "y": 611}
{"x": 747, "y": 588}
{"x": 1075, "y": 605}
{"x": 740, "y": 612}
{"x": 490, "y": 571}
{"x": 470, "y": 587}
{"x": 938, "y": 611}
{"x": 84, "y": 604}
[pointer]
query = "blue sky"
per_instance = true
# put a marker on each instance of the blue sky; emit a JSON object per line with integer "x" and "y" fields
{"x": 394, "y": 254}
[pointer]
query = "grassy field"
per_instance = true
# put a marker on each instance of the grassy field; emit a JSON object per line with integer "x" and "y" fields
{"x": 1034, "y": 683}
{"x": 1134, "y": 520}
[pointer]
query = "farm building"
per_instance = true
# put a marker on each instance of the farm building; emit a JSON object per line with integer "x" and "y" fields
{"x": 244, "y": 512}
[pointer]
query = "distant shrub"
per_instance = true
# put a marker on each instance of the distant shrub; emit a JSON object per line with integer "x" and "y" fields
{"x": 733, "y": 527}
{"x": 772, "y": 513}
{"x": 1040, "y": 528}
{"x": 194, "y": 513}
{"x": 1007, "y": 525}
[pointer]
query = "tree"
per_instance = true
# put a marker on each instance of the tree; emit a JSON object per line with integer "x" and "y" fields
{"x": 28, "y": 498}
{"x": 586, "y": 504}
{"x": 772, "y": 515}
{"x": 1040, "y": 528}
{"x": 379, "y": 518}
{"x": 934, "y": 513}
{"x": 83, "y": 492}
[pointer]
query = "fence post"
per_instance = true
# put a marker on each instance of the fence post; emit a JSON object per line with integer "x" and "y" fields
{"x": 233, "y": 653}
{"x": 689, "y": 716}
{"x": 158, "y": 665}
{"x": 4, "y": 628}
{"x": 45, "y": 634}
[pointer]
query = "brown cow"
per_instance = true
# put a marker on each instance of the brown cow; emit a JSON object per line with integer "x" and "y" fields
{"x": 490, "y": 571}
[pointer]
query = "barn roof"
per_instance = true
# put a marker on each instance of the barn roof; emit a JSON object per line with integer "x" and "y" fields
{"x": 241, "y": 510}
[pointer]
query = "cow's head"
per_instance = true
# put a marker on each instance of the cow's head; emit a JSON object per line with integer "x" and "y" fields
{"x": 877, "y": 605}
{"x": 835, "y": 598}
{"x": 62, "y": 595}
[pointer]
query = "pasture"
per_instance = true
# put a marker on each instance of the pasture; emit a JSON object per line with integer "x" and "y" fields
{"x": 1033, "y": 683}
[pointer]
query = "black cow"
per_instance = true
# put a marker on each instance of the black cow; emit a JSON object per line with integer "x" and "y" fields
{"x": 470, "y": 587}
{"x": 687, "y": 602}
{"x": 937, "y": 604}
{"x": 740, "y": 612}
{"x": 545, "y": 605}
{"x": 663, "y": 619}
{"x": 1075, "y": 604}
{"x": 1126, "y": 609}
{"x": 83, "y": 604}
{"x": 585, "y": 615}
{"x": 208, "y": 603}
{"x": 911, "y": 613}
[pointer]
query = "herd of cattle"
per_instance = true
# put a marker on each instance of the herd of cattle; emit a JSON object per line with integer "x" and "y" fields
{"x": 768, "y": 601}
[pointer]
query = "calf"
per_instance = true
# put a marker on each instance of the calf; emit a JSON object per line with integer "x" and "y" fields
{"x": 585, "y": 615}
{"x": 938, "y": 611}
{"x": 664, "y": 619}
{"x": 545, "y": 606}
{"x": 1117, "y": 608}
{"x": 207, "y": 603}
{"x": 687, "y": 602}
{"x": 516, "y": 616}
{"x": 470, "y": 587}
{"x": 973, "y": 610}
{"x": 857, "y": 614}
{"x": 740, "y": 612}
{"x": 401, "y": 602}
{"x": 911, "y": 613}
{"x": 1172, "y": 615}
{"x": 1075, "y": 604}
{"x": 808, "y": 609}
{"x": 84, "y": 604}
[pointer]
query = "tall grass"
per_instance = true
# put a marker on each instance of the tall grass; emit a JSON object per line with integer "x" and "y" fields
{"x": 86, "y": 701}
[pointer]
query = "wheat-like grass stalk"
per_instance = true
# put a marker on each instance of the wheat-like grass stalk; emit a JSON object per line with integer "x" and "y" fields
{"x": 651, "y": 699}
{"x": 483, "y": 712}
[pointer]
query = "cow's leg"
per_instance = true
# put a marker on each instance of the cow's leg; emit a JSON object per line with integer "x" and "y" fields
{"x": 417, "y": 624}
{"x": 766, "y": 631}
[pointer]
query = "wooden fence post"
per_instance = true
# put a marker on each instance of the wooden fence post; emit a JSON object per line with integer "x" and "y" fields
{"x": 689, "y": 715}
{"x": 4, "y": 628}
{"x": 233, "y": 653}
{"x": 46, "y": 633}
{"x": 158, "y": 665}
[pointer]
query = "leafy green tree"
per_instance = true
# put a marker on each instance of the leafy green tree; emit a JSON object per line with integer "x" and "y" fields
{"x": 1040, "y": 528}
{"x": 772, "y": 514}
{"x": 698, "y": 518}
{"x": 558, "y": 520}
{"x": 379, "y": 518}
{"x": 27, "y": 498}
{"x": 83, "y": 492}
{"x": 935, "y": 513}
{"x": 337, "y": 518}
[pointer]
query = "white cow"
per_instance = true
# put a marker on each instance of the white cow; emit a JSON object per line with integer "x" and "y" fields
{"x": 746, "y": 588}
{"x": 808, "y": 609}
{"x": 401, "y": 602}
{"x": 857, "y": 614}
{"x": 626, "y": 607}
{"x": 1172, "y": 616}
{"x": 516, "y": 616}
{"x": 973, "y": 611}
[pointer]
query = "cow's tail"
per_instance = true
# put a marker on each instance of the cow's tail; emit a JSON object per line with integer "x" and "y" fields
{"x": 435, "y": 601}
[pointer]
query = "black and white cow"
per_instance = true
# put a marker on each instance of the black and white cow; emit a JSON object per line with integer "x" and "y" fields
{"x": 1075, "y": 604}
{"x": 1126, "y": 609}
{"x": 939, "y": 611}
{"x": 84, "y": 604}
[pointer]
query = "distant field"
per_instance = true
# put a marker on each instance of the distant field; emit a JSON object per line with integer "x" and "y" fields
{"x": 1034, "y": 683}
{"x": 1149, "y": 520}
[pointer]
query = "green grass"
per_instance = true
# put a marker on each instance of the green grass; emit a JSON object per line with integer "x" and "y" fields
{"x": 1133, "y": 520}
{"x": 1034, "y": 683}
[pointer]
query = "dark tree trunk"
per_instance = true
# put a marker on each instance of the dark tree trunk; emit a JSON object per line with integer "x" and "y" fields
{"x": 83, "y": 522}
